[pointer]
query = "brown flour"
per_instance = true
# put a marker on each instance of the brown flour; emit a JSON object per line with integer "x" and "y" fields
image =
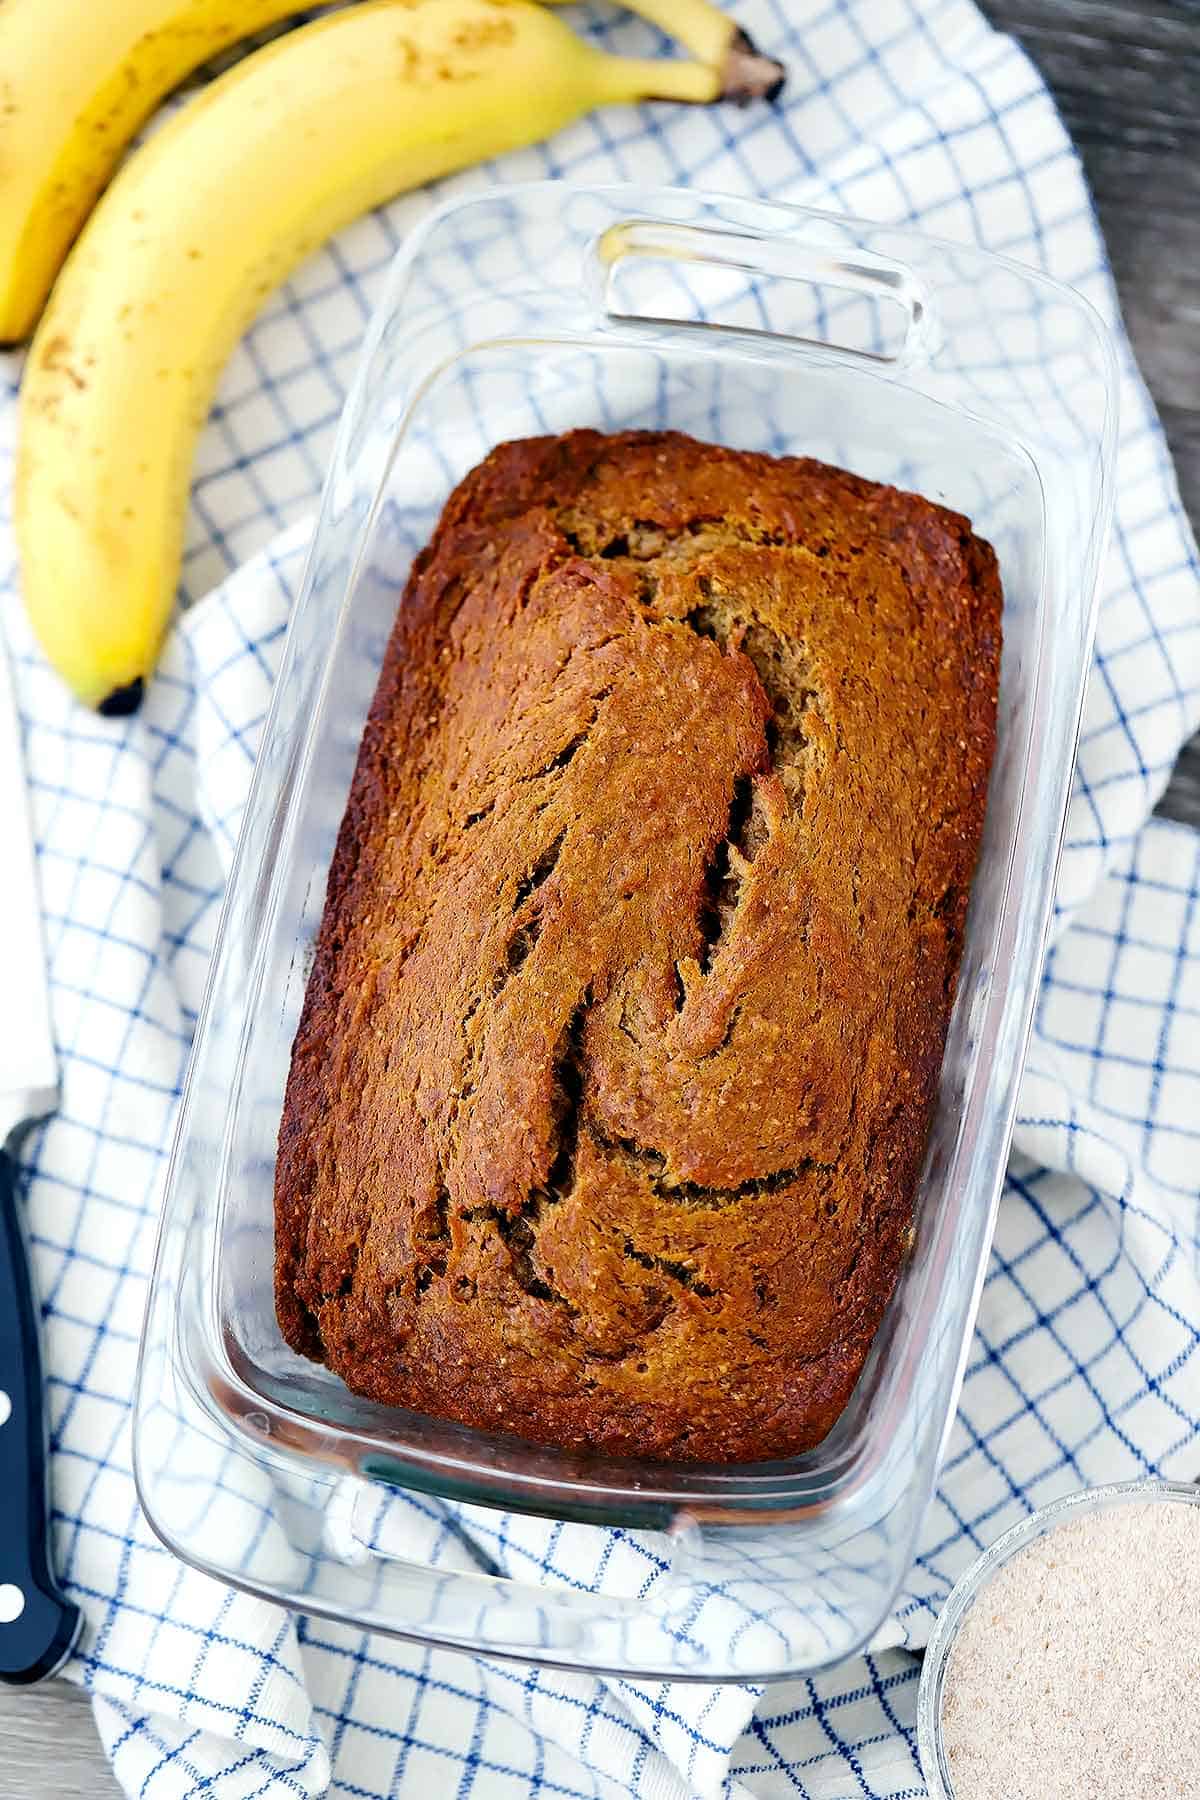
{"x": 1076, "y": 1674}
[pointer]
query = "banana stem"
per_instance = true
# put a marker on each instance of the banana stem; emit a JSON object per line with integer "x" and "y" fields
{"x": 712, "y": 37}
{"x": 631, "y": 78}
{"x": 746, "y": 74}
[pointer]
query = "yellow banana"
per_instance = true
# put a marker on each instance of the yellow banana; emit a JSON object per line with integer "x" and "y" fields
{"x": 77, "y": 79}
{"x": 197, "y": 228}
{"x": 714, "y": 38}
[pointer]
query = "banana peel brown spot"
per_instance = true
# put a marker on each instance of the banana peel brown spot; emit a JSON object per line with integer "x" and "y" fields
{"x": 54, "y": 357}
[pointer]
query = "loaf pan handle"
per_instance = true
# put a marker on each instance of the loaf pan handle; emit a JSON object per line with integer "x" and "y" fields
{"x": 861, "y": 305}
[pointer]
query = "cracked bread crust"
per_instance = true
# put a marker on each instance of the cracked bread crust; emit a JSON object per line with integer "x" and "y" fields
{"x": 618, "y": 1056}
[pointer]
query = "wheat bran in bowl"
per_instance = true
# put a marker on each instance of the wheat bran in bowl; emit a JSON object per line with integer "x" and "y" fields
{"x": 1066, "y": 1662}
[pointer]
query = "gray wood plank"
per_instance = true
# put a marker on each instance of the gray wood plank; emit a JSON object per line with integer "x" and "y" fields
{"x": 48, "y": 1746}
{"x": 1182, "y": 799}
{"x": 1127, "y": 80}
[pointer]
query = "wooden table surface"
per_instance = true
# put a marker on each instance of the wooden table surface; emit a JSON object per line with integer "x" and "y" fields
{"x": 1126, "y": 74}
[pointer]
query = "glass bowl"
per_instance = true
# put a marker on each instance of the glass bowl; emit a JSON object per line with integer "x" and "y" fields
{"x": 535, "y": 309}
{"x": 975, "y": 1581}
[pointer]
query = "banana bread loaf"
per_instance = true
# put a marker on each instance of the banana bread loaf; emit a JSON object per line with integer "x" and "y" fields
{"x": 618, "y": 1056}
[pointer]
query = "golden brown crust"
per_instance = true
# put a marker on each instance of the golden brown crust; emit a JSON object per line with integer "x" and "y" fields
{"x": 618, "y": 1056}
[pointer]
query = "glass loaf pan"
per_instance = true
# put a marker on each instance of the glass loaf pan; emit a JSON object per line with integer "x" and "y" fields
{"x": 536, "y": 309}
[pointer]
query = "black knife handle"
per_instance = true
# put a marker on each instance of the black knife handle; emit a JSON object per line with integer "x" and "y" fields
{"x": 38, "y": 1627}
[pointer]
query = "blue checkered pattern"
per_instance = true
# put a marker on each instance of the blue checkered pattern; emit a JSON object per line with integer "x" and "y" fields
{"x": 1085, "y": 1366}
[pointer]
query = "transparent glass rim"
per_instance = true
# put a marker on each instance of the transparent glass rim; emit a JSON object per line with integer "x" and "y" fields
{"x": 982, "y": 1572}
{"x": 875, "y": 1467}
{"x": 851, "y": 1456}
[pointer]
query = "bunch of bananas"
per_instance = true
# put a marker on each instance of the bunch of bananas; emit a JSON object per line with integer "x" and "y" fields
{"x": 210, "y": 214}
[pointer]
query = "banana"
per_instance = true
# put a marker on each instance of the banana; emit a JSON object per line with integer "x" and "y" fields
{"x": 199, "y": 226}
{"x": 77, "y": 79}
{"x": 712, "y": 37}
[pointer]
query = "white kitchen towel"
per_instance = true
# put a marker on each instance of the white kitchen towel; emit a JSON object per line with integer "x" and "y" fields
{"x": 1086, "y": 1363}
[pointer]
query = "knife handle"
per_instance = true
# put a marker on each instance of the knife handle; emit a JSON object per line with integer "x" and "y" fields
{"x": 38, "y": 1628}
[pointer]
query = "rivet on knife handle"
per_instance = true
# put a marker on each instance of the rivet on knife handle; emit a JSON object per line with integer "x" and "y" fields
{"x": 38, "y": 1627}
